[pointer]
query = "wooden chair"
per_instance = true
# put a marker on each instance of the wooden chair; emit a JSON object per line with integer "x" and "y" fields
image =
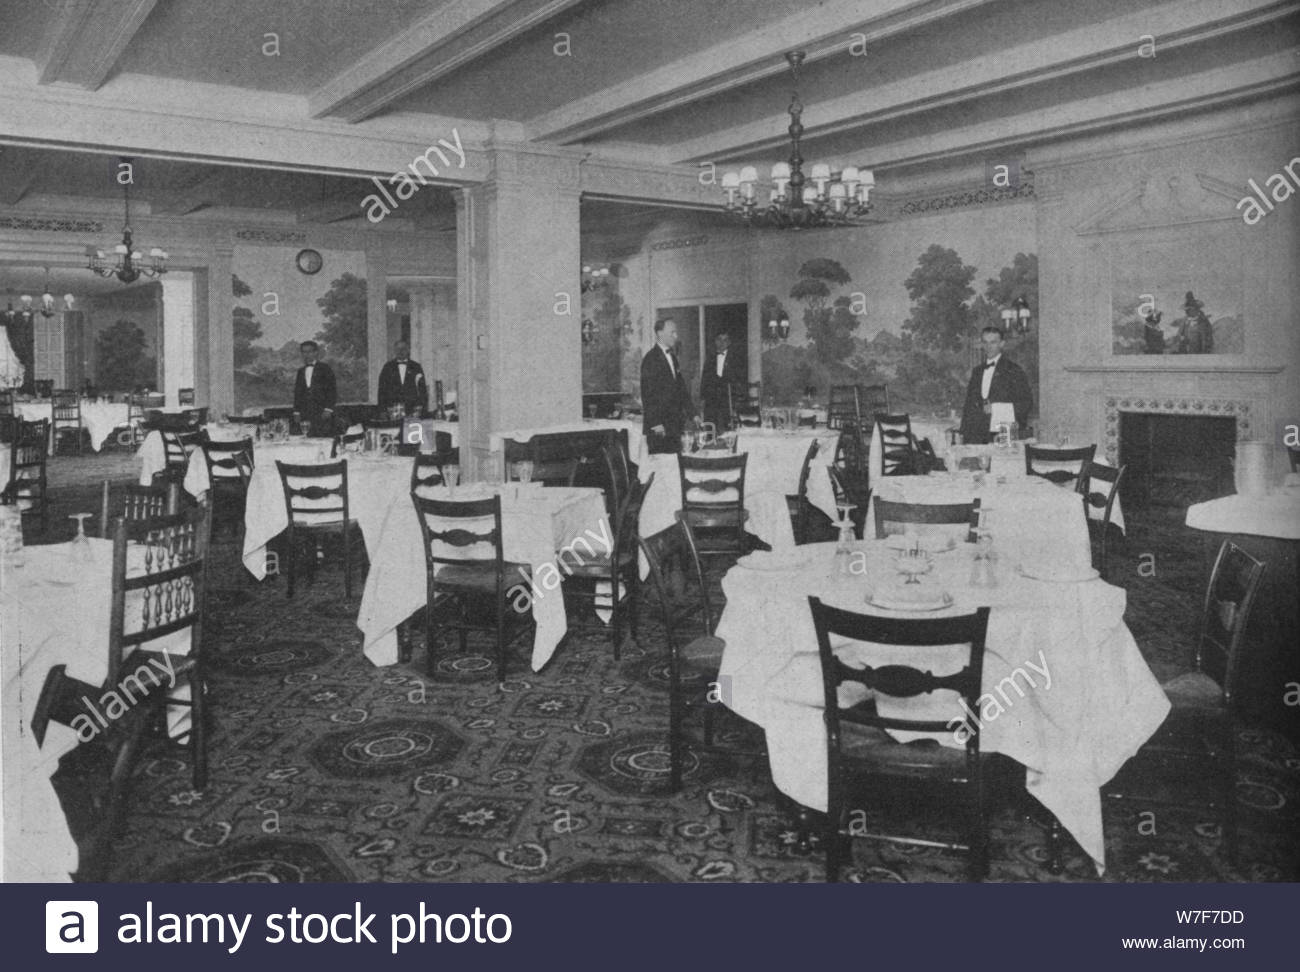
{"x": 860, "y": 750}
{"x": 1096, "y": 499}
{"x": 897, "y": 447}
{"x": 155, "y": 643}
{"x": 255, "y": 422}
{"x": 230, "y": 469}
{"x": 1064, "y": 467}
{"x": 137, "y": 503}
{"x": 28, "y": 454}
{"x": 801, "y": 510}
{"x": 893, "y": 518}
{"x": 426, "y": 470}
{"x": 1200, "y": 731}
{"x": 134, "y": 433}
{"x": 465, "y": 568}
{"x": 713, "y": 502}
{"x": 747, "y": 412}
{"x": 66, "y": 406}
{"x": 184, "y": 396}
{"x": 694, "y": 652}
{"x": 873, "y": 399}
{"x": 8, "y": 419}
{"x": 616, "y": 568}
{"x": 177, "y": 447}
{"x": 843, "y": 406}
{"x": 316, "y": 499}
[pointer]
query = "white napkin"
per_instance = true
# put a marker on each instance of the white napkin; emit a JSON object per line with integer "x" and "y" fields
{"x": 1004, "y": 413}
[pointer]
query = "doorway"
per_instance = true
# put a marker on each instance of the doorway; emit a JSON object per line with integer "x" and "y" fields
{"x": 697, "y": 326}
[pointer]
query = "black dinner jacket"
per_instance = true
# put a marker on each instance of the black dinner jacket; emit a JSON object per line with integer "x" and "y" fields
{"x": 310, "y": 402}
{"x": 1009, "y": 385}
{"x": 413, "y": 393}
{"x": 713, "y": 390}
{"x": 665, "y": 400}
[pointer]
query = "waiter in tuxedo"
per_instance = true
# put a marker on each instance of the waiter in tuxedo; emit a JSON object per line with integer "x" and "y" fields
{"x": 665, "y": 399}
{"x": 999, "y": 379}
{"x": 314, "y": 393}
{"x": 721, "y": 372}
{"x": 401, "y": 382}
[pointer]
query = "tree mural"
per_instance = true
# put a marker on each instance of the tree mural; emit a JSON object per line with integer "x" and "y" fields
{"x": 343, "y": 338}
{"x": 927, "y": 362}
{"x": 123, "y": 361}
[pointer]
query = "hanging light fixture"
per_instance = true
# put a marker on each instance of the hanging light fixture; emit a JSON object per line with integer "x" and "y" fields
{"x": 776, "y": 330}
{"x": 127, "y": 263}
{"x": 29, "y": 308}
{"x": 594, "y": 278}
{"x": 1017, "y": 316}
{"x": 792, "y": 202}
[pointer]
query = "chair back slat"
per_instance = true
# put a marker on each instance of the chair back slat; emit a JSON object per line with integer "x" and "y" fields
{"x": 1064, "y": 467}
{"x": 711, "y": 483}
{"x": 229, "y": 460}
{"x": 956, "y": 640}
{"x": 897, "y": 447}
{"x": 315, "y": 494}
{"x": 158, "y": 581}
{"x": 460, "y": 532}
{"x": 893, "y": 518}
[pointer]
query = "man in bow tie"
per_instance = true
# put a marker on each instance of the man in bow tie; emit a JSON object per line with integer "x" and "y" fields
{"x": 722, "y": 371}
{"x": 665, "y": 399}
{"x": 999, "y": 379}
{"x": 401, "y": 382}
{"x": 314, "y": 392}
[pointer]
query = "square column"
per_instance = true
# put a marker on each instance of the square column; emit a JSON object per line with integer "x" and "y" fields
{"x": 519, "y": 294}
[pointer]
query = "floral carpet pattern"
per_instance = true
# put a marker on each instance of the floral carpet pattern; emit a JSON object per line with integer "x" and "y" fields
{"x": 326, "y": 768}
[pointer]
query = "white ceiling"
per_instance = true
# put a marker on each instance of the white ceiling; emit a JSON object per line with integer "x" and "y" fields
{"x": 900, "y": 85}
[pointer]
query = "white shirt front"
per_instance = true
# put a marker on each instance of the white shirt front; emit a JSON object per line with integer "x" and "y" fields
{"x": 668, "y": 354}
{"x": 401, "y": 372}
{"x": 307, "y": 373}
{"x": 986, "y": 381}
{"x": 722, "y": 362}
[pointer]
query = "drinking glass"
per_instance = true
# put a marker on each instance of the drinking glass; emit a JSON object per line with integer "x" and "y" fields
{"x": 81, "y": 543}
{"x": 451, "y": 476}
{"x": 526, "y": 471}
{"x": 591, "y": 411}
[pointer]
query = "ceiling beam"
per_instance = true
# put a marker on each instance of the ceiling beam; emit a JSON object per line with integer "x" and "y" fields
{"x": 330, "y": 211}
{"x": 1217, "y": 88}
{"x": 85, "y": 38}
{"x": 448, "y": 39}
{"x": 208, "y": 190}
{"x": 999, "y": 73}
{"x": 828, "y": 29}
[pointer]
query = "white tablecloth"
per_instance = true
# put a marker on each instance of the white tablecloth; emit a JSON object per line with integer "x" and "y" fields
{"x": 1275, "y": 514}
{"x": 1029, "y": 518}
{"x": 534, "y": 526}
{"x": 153, "y": 457}
{"x": 97, "y": 418}
{"x": 771, "y": 474}
{"x": 1008, "y": 464}
{"x": 1072, "y": 733}
{"x": 374, "y": 484}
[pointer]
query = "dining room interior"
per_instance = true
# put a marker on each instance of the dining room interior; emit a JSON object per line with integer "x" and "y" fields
{"x": 361, "y": 522}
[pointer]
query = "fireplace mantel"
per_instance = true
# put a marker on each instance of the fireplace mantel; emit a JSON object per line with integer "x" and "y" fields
{"x": 1159, "y": 366}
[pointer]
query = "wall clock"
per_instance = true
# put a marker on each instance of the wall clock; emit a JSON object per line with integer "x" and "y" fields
{"x": 309, "y": 261}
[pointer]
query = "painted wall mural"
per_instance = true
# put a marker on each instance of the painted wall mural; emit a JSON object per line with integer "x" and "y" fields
{"x": 926, "y": 359}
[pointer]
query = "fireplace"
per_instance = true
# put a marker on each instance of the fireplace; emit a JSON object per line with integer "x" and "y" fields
{"x": 1176, "y": 460}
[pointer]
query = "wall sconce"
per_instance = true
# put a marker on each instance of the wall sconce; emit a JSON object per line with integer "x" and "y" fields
{"x": 1017, "y": 316}
{"x": 391, "y": 304}
{"x": 588, "y": 331}
{"x": 594, "y": 278}
{"x": 777, "y": 330}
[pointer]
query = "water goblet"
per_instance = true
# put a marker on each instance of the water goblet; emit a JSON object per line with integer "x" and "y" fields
{"x": 451, "y": 476}
{"x": 81, "y": 543}
{"x": 526, "y": 471}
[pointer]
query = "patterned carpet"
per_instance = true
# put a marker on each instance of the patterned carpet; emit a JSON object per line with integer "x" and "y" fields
{"x": 325, "y": 768}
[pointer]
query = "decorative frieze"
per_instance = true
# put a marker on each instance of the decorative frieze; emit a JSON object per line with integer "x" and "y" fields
{"x": 970, "y": 197}
{"x": 271, "y": 236}
{"x": 52, "y": 224}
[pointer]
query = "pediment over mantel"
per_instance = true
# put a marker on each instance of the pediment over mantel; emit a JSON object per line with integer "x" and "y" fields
{"x": 1167, "y": 197}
